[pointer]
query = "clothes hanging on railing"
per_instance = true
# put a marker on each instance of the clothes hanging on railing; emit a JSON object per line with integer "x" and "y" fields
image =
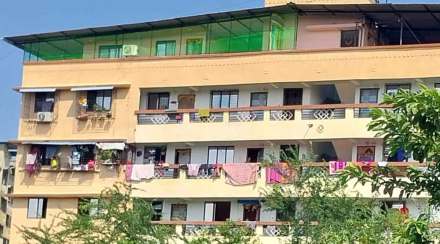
{"x": 193, "y": 169}
{"x": 142, "y": 171}
{"x": 335, "y": 167}
{"x": 279, "y": 173}
{"x": 238, "y": 174}
{"x": 31, "y": 163}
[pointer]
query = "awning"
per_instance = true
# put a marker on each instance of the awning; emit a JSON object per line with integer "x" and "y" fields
{"x": 59, "y": 143}
{"x": 111, "y": 145}
{"x": 249, "y": 202}
{"x": 24, "y": 90}
{"x": 92, "y": 88}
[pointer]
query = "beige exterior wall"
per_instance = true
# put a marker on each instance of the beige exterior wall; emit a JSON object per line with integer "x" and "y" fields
{"x": 66, "y": 125}
{"x": 370, "y": 63}
{"x": 55, "y": 209}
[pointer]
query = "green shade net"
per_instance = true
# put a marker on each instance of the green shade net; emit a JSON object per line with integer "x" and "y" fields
{"x": 273, "y": 32}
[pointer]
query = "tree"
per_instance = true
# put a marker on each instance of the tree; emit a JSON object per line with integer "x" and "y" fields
{"x": 412, "y": 125}
{"x": 115, "y": 218}
{"x": 324, "y": 214}
{"x": 118, "y": 218}
{"x": 228, "y": 233}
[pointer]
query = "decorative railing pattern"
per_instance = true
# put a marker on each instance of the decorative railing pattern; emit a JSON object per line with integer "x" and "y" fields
{"x": 282, "y": 115}
{"x": 160, "y": 119}
{"x": 323, "y": 114}
{"x": 246, "y": 116}
{"x": 251, "y": 114}
{"x": 213, "y": 117}
{"x": 260, "y": 228}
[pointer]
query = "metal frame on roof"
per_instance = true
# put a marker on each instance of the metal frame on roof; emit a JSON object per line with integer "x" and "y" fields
{"x": 368, "y": 10}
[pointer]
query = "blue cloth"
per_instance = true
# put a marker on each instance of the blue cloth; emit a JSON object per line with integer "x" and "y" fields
{"x": 400, "y": 155}
{"x": 51, "y": 151}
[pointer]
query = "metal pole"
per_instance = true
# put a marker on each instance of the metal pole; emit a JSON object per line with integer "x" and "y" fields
{"x": 401, "y": 30}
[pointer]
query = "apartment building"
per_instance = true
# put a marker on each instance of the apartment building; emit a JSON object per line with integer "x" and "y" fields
{"x": 185, "y": 109}
{"x": 7, "y": 167}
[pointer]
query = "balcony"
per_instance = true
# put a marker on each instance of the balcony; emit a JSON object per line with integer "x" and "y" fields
{"x": 264, "y": 231}
{"x": 255, "y": 123}
{"x": 213, "y": 185}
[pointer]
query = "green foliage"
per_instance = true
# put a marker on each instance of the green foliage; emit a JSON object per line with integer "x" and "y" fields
{"x": 107, "y": 154}
{"x": 412, "y": 124}
{"x": 114, "y": 221}
{"x": 228, "y": 233}
{"x": 414, "y": 231}
{"x": 320, "y": 212}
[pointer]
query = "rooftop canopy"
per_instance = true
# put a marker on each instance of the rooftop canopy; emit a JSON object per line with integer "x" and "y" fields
{"x": 249, "y": 30}
{"x": 418, "y": 17}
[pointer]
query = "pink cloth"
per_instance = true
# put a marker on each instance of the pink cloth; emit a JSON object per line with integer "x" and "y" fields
{"x": 280, "y": 173}
{"x": 336, "y": 166}
{"x": 273, "y": 175}
{"x": 128, "y": 170}
{"x": 193, "y": 169}
{"x": 238, "y": 174}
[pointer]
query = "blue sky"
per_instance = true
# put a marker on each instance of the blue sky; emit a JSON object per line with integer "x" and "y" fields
{"x": 20, "y": 17}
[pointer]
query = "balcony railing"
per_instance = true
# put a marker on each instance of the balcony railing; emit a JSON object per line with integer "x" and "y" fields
{"x": 255, "y": 114}
{"x": 160, "y": 118}
{"x": 215, "y": 171}
{"x": 260, "y": 228}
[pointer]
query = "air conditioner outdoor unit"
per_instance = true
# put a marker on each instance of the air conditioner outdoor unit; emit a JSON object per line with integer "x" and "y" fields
{"x": 129, "y": 50}
{"x": 45, "y": 116}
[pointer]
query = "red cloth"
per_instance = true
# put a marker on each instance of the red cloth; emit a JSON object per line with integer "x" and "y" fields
{"x": 238, "y": 174}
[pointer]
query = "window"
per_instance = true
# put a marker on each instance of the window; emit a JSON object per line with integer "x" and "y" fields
{"x": 100, "y": 100}
{"x": 255, "y": 155}
{"x": 293, "y": 96}
{"x": 437, "y": 86}
{"x": 350, "y": 38}
{"x": 194, "y": 46}
{"x": 5, "y": 174}
{"x": 5, "y": 241}
{"x": 37, "y": 208}
{"x": 366, "y": 153}
{"x": 258, "y": 99}
{"x": 392, "y": 89}
{"x": 44, "y": 102}
{"x": 217, "y": 211}
{"x": 224, "y": 99}
{"x": 155, "y": 155}
{"x": 178, "y": 212}
{"x": 110, "y": 51}
{"x": 367, "y": 95}
{"x": 220, "y": 155}
{"x": 4, "y": 205}
{"x": 44, "y": 153}
{"x": 8, "y": 221}
{"x": 165, "y": 48}
{"x": 158, "y": 100}
{"x": 1, "y": 230}
{"x": 251, "y": 212}
{"x": 157, "y": 210}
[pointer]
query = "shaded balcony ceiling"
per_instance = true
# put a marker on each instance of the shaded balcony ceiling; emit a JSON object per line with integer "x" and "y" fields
{"x": 421, "y": 21}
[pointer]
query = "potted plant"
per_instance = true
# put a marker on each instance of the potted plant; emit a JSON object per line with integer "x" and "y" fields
{"x": 106, "y": 156}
